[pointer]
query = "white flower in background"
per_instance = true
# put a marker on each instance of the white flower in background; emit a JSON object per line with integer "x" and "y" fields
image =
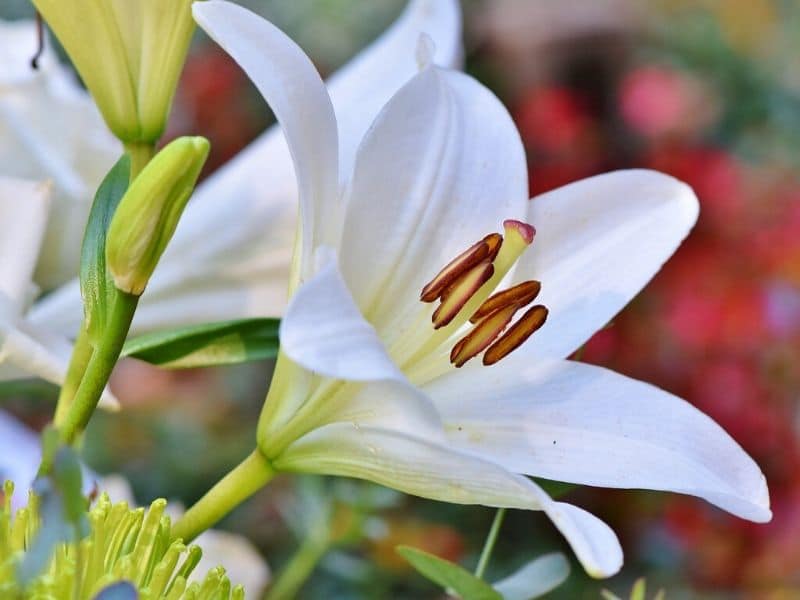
{"x": 20, "y": 454}
{"x": 50, "y": 129}
{"x": 365, "y": 386}
{"x": 26, "y": 349}
{"x": 230, "y": 255}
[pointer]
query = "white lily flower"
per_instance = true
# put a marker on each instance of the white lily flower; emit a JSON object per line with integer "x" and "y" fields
{"x": 230, "y": 255}
{"x": 364, "y": 386}
{"x": 50, "y": 129}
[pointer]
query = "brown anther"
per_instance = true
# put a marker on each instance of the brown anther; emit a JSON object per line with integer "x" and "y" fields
{"x": 482, "y": 335}
{"x": 521, "y": 295}
{"x": 485, "y": 249}
{"x": 458, "y": 293}
{"x": 520, "y": 331}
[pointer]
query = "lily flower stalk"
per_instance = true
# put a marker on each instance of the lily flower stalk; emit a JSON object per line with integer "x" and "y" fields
{"x": 433, "y": 307}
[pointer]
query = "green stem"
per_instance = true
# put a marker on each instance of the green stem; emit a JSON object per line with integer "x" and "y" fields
{"x": 488, "y": 546}
{"x": 99, "y": 367}
{"x": 299, "y": 568}
{"x": 140, "y": 154}
{"x": 249, "y": 476}
{"x": 81, "y": 355}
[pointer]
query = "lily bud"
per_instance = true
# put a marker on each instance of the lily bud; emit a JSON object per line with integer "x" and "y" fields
{"x": 129, "y": 54}
{"x": 149, "y": 212}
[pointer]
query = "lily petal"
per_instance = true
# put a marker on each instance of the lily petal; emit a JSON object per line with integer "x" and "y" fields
{"x": 598, "y": 242}
{"x": 442, "y": 166}
{"x": 575, "y": 422}
{"x": 420, "y": 467}
{"x": 296, "y": 94}
{"x": 324, "y": 331}
{"x": 23, "y": 217}
{"x": 243, "y": 216}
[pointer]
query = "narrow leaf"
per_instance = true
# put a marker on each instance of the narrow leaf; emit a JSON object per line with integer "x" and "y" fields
{"x": 221, "y": 343}
{"x": 535, "y": 578}
{"x": 449, "y": 575}
{"x": 96, "y": 284}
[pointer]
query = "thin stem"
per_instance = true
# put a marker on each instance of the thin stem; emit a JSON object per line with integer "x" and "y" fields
{"x": 81, "y": 355}
{"x": 249, "y": 476}
{"x": 99, "y": 368}
{"x": 488, "y": 546}
{"x": 299, "y": 568}
{"x": 140, "y": 155}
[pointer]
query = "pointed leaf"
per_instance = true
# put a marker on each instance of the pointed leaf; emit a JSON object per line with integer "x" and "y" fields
{"x": 449, "y": 575}
{"x": 535, "y": 578}
{"x": 209, "y": 344}
{"x": 96, "y": 285}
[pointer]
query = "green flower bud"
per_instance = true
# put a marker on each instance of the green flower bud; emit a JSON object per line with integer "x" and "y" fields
{"x": 129, "y": 54}
{"x": 149, "y": 212}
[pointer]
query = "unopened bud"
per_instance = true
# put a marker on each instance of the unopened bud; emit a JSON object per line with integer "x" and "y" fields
{"x": 149, "y": 212}
{"x": 129, "y": 54}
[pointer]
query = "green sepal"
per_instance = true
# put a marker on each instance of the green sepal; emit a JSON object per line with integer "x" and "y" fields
{"x": 97, "y": 286}
{"x": 209, "y": 344}
{"x": 449, "y": 575}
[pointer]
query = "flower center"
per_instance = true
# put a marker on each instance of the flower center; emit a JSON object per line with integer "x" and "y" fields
{"x": 463, "y": 288}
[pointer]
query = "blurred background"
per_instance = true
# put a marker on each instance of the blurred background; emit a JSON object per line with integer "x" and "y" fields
{"x": 707, "y": 90}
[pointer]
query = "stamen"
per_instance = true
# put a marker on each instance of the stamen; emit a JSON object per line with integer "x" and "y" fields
{"x": 521, "y": 295}
{"x": 485, "y": 249}
{"x": 482, "y": 335}
{"x": 455, "y": 296}
{"x": 520, "y": 331}
{"x": 39, "y": 41}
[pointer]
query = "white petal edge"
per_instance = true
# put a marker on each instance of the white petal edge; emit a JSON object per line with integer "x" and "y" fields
{"x": 324, "y": 331}
{"x": 534, "y": 579}
{"x": 24, "y": 207}
{"x": 584, "y": 424}
{"x": 27, "y": 350}
{"x": 598, "y": 242}
{"x": 296, "y": 94}
{"x": 417, "y": 466}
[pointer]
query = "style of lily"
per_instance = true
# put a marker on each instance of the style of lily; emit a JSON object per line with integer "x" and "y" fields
{"x": 391, "y": 271}
{"x": 230, "y": 255}
{"x": 26, "y": 350}
{"x": 51, "y": 129}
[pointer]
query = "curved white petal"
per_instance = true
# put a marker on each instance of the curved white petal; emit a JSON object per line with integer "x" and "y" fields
{"x": 20, "y": 455}
{"x": 442, "y": 166}
{"x": 598, "y": 242}
{"x": 30, "y": 351}
{"x": 324, "y": 331}
{"x": 244, "y": 214}
{"x": 420, "y": 467}
{"x": 361, "y": 88}
{"x": 296, "y": 94}
{"x": 23, "y": 215}
{"x": 575, "y": 422}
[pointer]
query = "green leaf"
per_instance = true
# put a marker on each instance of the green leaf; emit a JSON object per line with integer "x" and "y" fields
{"x": 122, "y": 590}
{"x": 221, "y": 343}
{"x": 449, "y": 575}
{"x": 535, "y": 579}
{"x": 97, "y": 287}
{"x": 639, "y": 589}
